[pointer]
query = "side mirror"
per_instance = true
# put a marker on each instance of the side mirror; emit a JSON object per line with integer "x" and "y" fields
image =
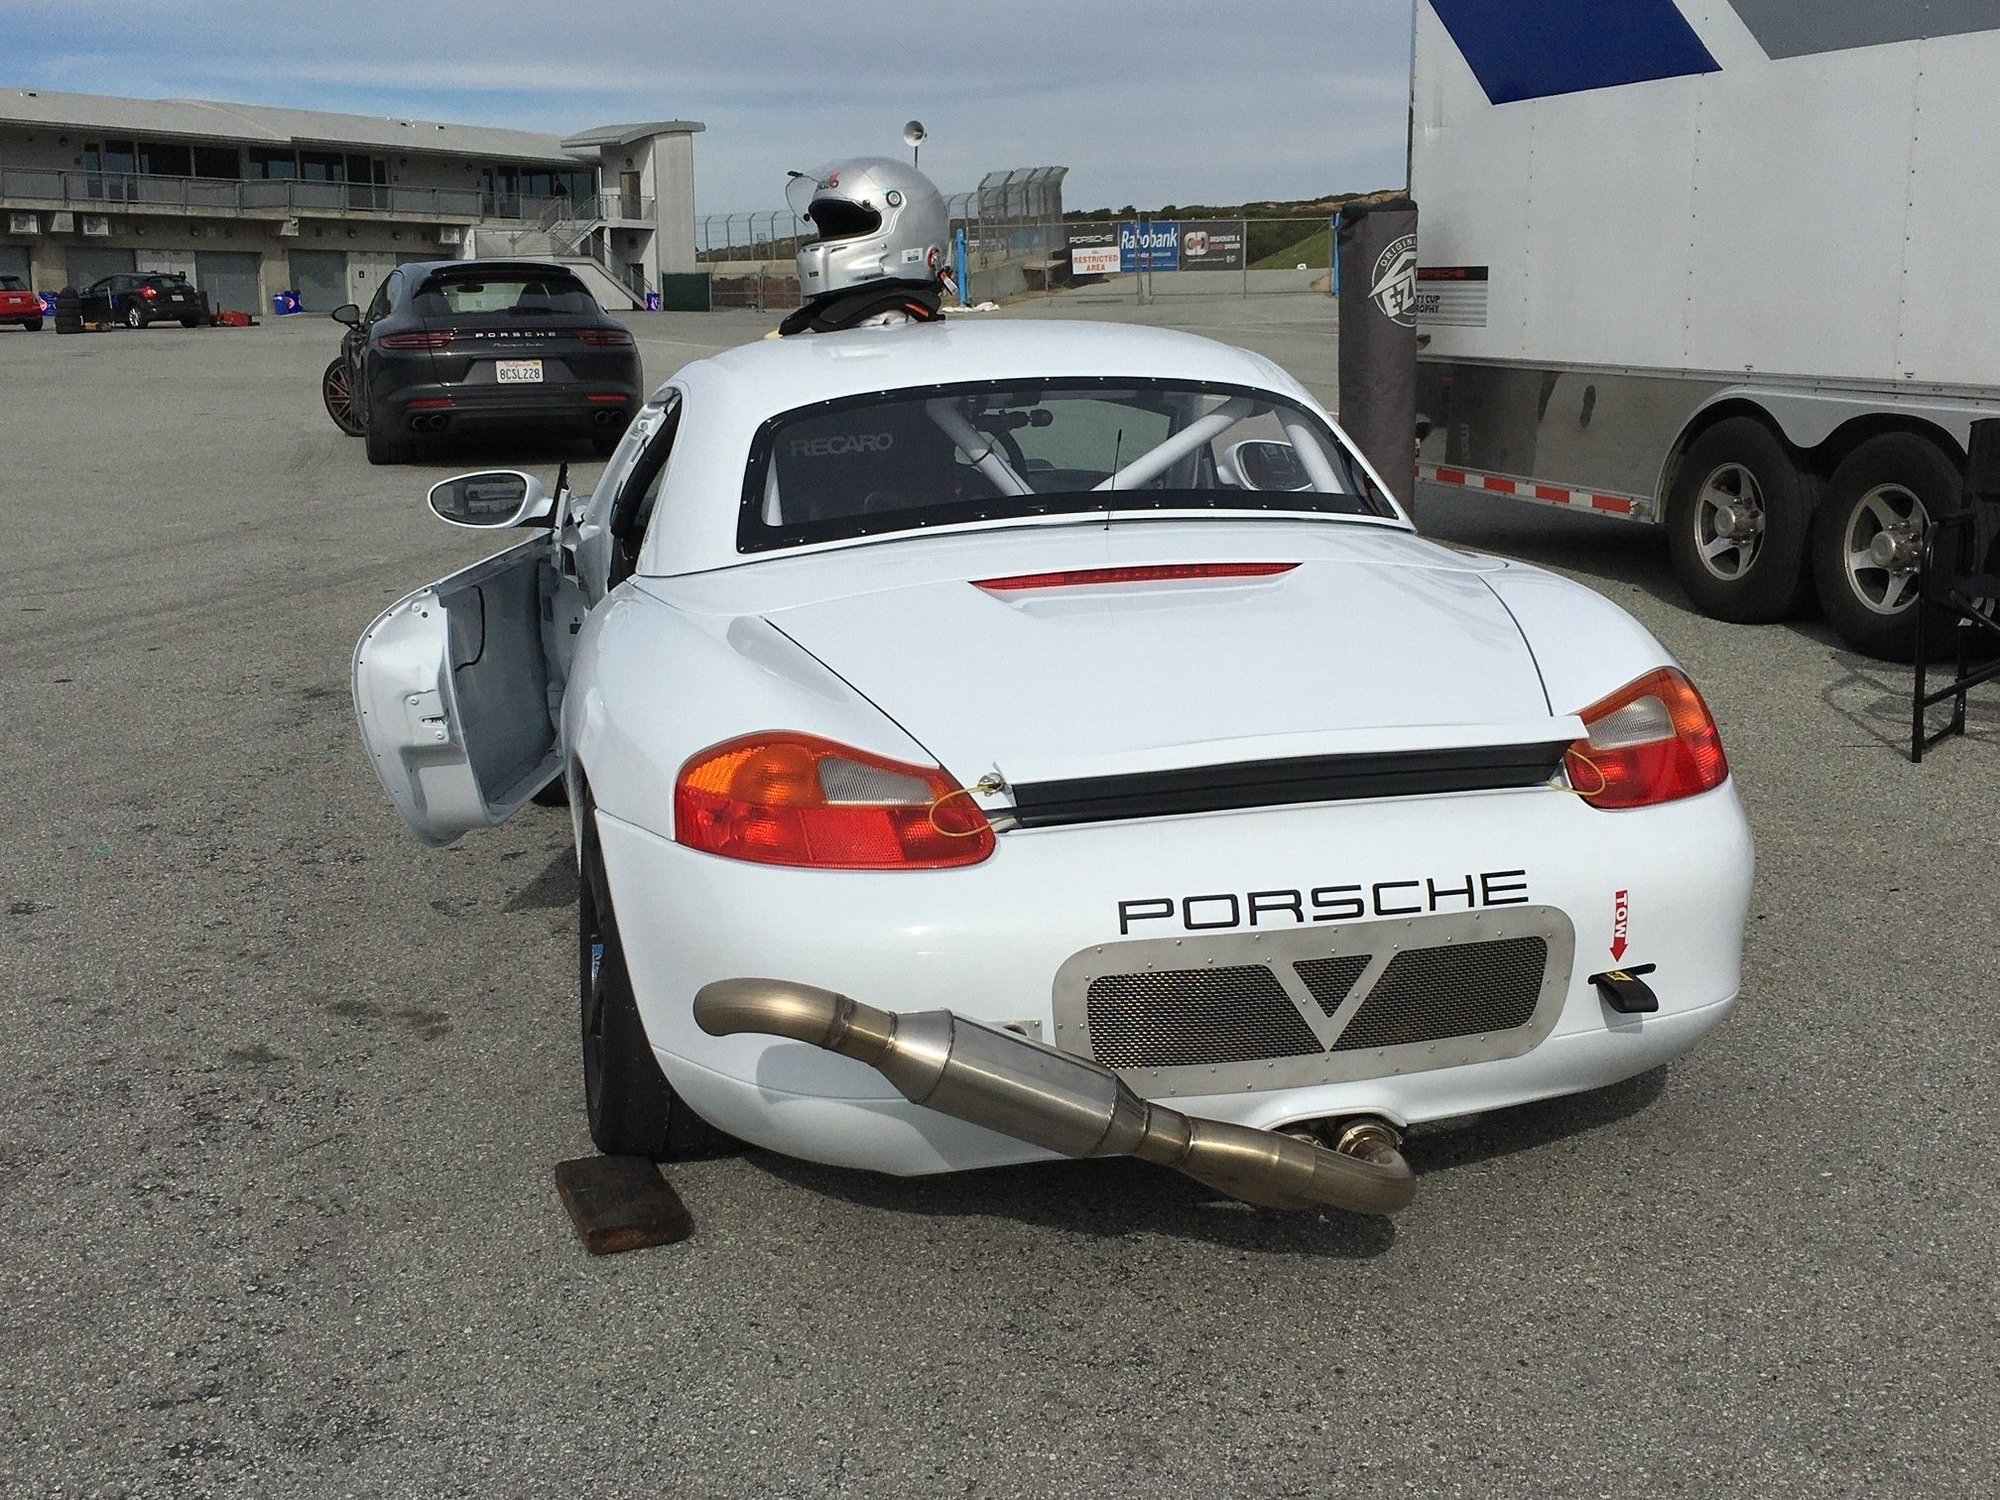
{"x": 348, "y": 313}
{"x": 1268, "y": 465}
{"x": 491, "y": 499}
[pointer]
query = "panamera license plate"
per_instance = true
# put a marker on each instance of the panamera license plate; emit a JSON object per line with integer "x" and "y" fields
{"x": 518, "y": 371}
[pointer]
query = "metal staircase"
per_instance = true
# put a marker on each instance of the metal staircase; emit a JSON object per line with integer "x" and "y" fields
{"x": 572, "y": 234}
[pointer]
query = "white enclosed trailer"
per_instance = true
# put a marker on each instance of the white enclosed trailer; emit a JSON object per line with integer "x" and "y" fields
{"x": 1728, "y": 265}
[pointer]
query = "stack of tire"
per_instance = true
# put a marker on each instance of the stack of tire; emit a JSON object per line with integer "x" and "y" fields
{"x": 69, "y": 311}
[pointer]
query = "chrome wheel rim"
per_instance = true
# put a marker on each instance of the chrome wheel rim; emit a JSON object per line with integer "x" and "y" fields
{"x": 1729, "y": 521}
{"x": 1881, "y": 546}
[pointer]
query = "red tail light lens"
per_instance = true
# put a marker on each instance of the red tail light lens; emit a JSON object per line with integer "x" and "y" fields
{"x": 149, "y": 291}
{"x": 1150, "y": 573}
{"x": 794, "y": 799}
{"x": 1650, "y": 742}
{"x": 431, "y": 338}
{"x": 607, "y": 338}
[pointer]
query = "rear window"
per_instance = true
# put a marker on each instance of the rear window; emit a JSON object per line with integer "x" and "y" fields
{"x": 12, "y": 284}
{"x": 166, "y": 280}
{"x": 523, "y": 293}
{"x": 903, "y": 460}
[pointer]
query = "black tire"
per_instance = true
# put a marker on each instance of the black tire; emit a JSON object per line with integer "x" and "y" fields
{"x": 1878, "y": 504}
{"x": 384, "y": 449}
{"x": 337, "y": 391}
{"x": 1737, "y": 521}
{"x": 631, "y": 1108}
{"x": 190, "y": 322}
{"x": 134, "y": 318}
{"x": 604, "y": 444}
{"x": 33, "y": 325}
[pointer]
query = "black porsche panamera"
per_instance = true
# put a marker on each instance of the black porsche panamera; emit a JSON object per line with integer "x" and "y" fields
{"x": 465, "y": 346}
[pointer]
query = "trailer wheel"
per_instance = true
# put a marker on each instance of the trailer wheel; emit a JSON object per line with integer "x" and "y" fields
{"x": 1737, "y": 521}
{"x": 1869, "y": 536}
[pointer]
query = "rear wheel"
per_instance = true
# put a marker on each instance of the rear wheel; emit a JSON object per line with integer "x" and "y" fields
{"x": 336, "y": 388}
{"x": 1869, "y": 537}
{"x": 134, "y": 318}
{"x": 632, "y": 1109}
{"x": 605, "y": 443}
{"x": 33, "y": 325}
{"x": 190, "y": 322}
{"x": 1737, "y": 521}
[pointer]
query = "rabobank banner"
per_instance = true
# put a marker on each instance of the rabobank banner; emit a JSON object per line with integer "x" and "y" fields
{"x": 1149, "y": 247}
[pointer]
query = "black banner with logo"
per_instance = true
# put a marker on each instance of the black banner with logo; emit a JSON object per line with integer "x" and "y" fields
{"x": 1377, "y": 246}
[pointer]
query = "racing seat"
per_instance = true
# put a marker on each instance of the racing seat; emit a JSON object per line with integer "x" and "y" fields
{"x": 1958, "y": 581}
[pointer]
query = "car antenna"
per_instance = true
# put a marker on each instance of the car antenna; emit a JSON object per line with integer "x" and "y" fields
{"x": 1117, "y": 446}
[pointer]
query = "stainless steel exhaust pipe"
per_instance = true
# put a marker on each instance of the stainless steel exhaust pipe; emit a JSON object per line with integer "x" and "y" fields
{"x": 1063, "y": 1103}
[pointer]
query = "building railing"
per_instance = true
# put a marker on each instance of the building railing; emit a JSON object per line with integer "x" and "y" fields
{"x": 89, "y": 191}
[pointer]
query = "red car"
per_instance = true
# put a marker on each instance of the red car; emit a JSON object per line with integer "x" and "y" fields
{"x": 18, "y": 304}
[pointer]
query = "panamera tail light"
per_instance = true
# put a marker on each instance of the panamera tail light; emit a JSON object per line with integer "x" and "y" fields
{"x": 1650, "y": 742}
{"x": 1148, "y": 573}
{"x": 795, "y": 799}
{"x": 607, "y": 338}
{"x": 430, "y": 338}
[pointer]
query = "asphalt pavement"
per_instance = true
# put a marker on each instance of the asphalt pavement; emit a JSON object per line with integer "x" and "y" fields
{"x": 283, "y": 1089}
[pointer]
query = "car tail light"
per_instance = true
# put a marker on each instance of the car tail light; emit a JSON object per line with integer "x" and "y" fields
{"x": 149, "y": 291}
{"x": 1650, "y": 742}
{"x": 432, "y": 338}
{"x": 1151, "y": 573}
{"x": 795, "y": 799}
{"x": 606, "y": 337}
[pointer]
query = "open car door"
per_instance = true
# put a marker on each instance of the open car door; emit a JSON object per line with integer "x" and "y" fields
{"x": 458, "y": 689}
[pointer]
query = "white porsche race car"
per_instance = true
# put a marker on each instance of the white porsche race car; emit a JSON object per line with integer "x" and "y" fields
{"x": 995, "y": 742}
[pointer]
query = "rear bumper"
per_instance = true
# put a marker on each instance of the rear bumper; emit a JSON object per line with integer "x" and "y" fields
{"x": 991, "y": 940}
{"x": 585, "y": 404}
{"x": 895, "y": 1136}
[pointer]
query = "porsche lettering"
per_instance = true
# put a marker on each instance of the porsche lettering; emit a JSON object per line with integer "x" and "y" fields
{"x": 1427, "y": 895}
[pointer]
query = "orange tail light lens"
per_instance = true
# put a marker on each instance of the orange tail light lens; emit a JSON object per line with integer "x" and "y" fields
{"x": 1650, "y": 742}
{"x": 795, "y": 799}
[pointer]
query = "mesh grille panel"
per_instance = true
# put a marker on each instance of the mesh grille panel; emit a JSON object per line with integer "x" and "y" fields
{"x": 1428, "y": 994}
{"x": 1182, "y": 1017}
{"x": 1331, "y": 980}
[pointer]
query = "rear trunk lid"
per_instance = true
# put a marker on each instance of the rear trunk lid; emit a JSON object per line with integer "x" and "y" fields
{"x": 1331, "y": 658}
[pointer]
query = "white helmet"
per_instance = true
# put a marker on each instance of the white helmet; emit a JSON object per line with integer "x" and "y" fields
{"x": 878, "y": 220}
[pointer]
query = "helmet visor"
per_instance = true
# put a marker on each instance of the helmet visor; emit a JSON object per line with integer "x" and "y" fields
{"x": 843, "y": 219}
{"x": 820, "y": 198}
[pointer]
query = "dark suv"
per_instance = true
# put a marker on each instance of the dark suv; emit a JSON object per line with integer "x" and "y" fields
{"x": 458, "y": 345}
{"x": 136, "y": 298}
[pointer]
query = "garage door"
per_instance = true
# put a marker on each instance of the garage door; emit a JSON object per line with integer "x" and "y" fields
{"x": 228, "y": 278}
{"x": 14, "y": 261}
{"x": 320, "y": 279}
{"x": 88, "y": 263}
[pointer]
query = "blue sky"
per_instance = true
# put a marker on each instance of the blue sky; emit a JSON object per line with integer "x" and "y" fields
{"x": 1168, "y": 102}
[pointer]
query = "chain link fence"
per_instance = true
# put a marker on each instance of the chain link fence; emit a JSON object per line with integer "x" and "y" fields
{"x": 1014, "y": 237}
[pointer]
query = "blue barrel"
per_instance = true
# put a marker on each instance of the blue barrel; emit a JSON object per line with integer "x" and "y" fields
{"x": 285, "y": 303}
